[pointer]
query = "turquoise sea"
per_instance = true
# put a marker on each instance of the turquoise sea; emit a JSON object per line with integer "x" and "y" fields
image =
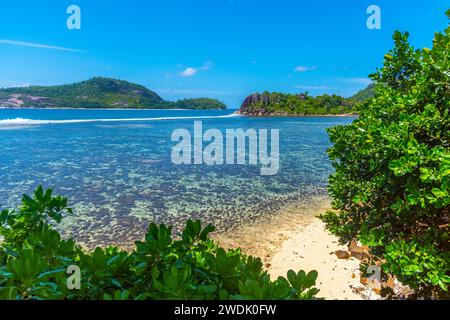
{"x": 115, "y": 167}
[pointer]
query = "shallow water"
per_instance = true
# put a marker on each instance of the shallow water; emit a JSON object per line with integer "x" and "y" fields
{"x": 115, "y": 167}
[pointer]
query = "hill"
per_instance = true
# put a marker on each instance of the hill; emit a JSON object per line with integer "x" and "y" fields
{"x": 282, "y": 104}
{"x": 365, "y": 94}
{"x": 97, "y": 93}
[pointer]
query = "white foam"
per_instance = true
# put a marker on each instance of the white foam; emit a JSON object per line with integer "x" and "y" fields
{"x": 21, "y": 121}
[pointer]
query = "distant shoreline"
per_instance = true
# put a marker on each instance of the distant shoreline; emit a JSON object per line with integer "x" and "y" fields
{"x": 345, "y": 115}
{"x": 236, "y": 111}
{"x": 118, "y": 109}
{"x": 98, "y": 92}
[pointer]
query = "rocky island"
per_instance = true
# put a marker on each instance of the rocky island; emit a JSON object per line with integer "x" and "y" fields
{"x": 99, "y": 93}
{"x": 282, "y": 104}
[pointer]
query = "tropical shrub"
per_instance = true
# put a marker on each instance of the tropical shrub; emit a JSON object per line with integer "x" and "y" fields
{"x": 391, "y": 188}
{"x": 34, "y": 262}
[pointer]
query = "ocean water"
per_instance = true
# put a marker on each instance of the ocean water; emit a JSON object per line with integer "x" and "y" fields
{"x": 115, "y": 167}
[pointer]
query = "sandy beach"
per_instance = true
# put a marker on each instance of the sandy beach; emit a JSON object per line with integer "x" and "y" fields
{"x": 312, "y": 248}
{"x": 296, "y": 239}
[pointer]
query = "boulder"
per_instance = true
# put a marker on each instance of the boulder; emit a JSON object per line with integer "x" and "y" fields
{"x": 341, "y": 254}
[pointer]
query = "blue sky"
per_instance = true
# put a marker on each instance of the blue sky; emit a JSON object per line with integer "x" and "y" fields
{"x": 222, "y": 49}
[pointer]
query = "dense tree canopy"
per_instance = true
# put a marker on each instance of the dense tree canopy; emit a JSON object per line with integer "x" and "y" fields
{"x": 391, "y": 188}
{"x": 97, "y": 93}
{"x": 275, "y": 103}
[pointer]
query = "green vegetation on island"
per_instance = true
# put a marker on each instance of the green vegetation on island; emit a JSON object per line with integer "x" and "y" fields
{"x": 35, "y": 262}
{"x": 364, "y": 94}
{"x": 199, "y": 103}
{"x": 391, "y": 188}
{"x": 282, "y": 104}
{"x": 97, "y": 93}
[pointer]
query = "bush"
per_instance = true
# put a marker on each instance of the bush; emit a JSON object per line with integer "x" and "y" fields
{"x": 34, "y": 261}
{"x": 391, "y": 188}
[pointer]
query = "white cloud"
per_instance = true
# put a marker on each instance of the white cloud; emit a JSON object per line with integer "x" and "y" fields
{"x": 38, "y": 45}
{"x": 304, "y": 69}
{"x": 189, "y": 72}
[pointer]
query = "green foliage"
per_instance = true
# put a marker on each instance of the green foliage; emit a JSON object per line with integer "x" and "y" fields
{"x": 303, "y": 104}
{"x": 15, "y": 226}
{"x": 365, "y": 94}
{"x": 99, "y": 93}
{"x": 391, "y": 188}
{"x": 34, "y": 261}
{"x": 410, "y": 259}
{"x": 200, "y": 103}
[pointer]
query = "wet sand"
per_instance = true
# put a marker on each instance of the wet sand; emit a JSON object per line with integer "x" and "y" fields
{"x": 296, "y": 239}
{"x": 264, "y": 237}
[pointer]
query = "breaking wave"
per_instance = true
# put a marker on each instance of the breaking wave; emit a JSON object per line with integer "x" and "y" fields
{"x": 25, "y": 122}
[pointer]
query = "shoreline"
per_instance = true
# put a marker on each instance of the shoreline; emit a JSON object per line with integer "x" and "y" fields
{"x": 265, "y": 236}
{"x": 117, "y": 109}
{"x": 294, "y": 238}
{"x": 236, "y": 111}
{"x": 313, "y": 248}
{"x": 345, "y": 115}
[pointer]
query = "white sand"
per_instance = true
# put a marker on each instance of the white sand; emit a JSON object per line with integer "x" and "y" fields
{"x": 312, "y": 249}
{"x": 295, "y": 239}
